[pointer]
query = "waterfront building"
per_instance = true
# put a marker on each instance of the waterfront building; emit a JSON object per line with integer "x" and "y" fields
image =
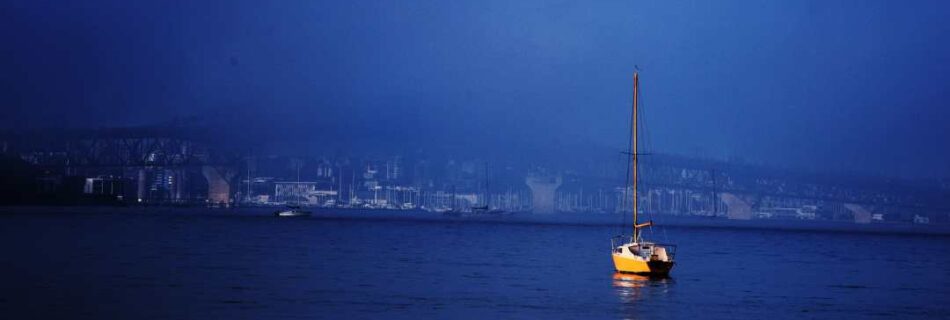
{"x": 304, "y": 192}
{"x": 105, "y": 185}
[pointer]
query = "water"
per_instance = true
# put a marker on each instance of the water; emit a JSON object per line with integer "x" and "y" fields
{"x": 146, "y": 265}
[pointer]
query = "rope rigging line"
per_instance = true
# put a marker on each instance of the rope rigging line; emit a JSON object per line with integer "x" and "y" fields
{"x": 647, "y": 147}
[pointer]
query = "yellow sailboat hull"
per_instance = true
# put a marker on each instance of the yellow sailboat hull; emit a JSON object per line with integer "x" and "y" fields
{"x": 628, "y": 264}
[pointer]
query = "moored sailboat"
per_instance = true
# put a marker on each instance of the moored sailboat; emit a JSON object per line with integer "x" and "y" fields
{"x": 633, "y": 254}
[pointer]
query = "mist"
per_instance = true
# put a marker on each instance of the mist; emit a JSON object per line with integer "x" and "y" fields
{"x": 820, "y": 86}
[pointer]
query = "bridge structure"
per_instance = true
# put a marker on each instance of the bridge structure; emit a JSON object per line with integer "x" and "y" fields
{"x": 543, "y": 188}
{"x": 177, "y": 154}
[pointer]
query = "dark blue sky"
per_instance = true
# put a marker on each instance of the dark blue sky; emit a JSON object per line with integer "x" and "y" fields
{"x": 817, "y": 85}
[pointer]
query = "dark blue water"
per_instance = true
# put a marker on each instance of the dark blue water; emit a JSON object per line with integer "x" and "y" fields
{"x": 143, "y": 265}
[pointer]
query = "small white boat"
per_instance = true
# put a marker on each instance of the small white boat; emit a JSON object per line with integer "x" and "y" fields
{"x": 292, "y": 211}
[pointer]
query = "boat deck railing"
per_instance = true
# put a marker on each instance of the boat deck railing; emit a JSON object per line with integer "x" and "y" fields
{"x": 645, "y": 249}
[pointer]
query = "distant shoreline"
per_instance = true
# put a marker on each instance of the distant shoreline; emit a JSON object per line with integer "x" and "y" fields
{"x": 572, "y": 219}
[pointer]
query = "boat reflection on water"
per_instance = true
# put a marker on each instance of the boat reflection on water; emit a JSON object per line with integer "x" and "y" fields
{"x": 634, "y": 287}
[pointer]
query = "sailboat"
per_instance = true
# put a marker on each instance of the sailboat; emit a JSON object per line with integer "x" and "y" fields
{"x": 633, "y": 254}
{"x": 453, "y": 212}
{"x": 485, "y": 208}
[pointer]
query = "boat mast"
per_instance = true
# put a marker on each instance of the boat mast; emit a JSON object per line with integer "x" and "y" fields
{"x": 633, "y": 130}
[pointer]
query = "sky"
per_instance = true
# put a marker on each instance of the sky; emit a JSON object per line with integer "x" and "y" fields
{"x": 823, "y": 86}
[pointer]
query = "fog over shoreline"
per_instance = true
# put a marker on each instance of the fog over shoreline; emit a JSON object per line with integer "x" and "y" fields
{"x": 816, "y": 86}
